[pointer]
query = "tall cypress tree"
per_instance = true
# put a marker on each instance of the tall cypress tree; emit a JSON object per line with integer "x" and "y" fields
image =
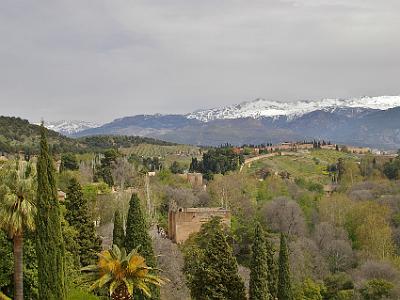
{"x": 137, "y": 236}
{"x": 49, "y": 243}
{"x": 284, "y": 284}
{"x": 78, "y": 217}
{"x": 258, "y": 287}
{"x": 118, "y": 231}
{"x": 272, "y": 269}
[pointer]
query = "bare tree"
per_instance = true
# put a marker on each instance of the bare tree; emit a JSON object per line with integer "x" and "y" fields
{"x": 122, "y": 172}
{"x": 377, "y": 270}
{"x": 284, "y": 215}
{"x": 306, "y": 260}
{"x": 339, "y": 255}
{"x": 335, "y": 246}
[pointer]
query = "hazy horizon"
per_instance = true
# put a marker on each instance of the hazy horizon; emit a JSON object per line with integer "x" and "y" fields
{"x": 97, "y": 62}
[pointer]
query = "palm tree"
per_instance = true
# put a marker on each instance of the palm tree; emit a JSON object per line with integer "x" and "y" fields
{"x": 17, "y": 213}
{"x": 124, "y": 275}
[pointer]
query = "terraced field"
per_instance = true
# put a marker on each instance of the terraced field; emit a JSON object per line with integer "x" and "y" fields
{"x": 149, "y": 150}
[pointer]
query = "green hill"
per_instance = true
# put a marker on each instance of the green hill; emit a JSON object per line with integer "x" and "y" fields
{"x": 311, "y": 165}
{"x": 17, "y": 135}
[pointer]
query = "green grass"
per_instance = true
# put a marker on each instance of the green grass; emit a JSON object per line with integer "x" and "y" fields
{"x": 311, "y": 165}
{"x": 330, "y": 156}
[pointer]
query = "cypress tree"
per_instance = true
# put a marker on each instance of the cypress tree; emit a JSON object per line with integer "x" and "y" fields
{"x": 49, "y": 243}
{"x": 137, "y": 236}
{"x": 210, "y": 266}
{"x": 258, "y": 287}
{"x": 78, "y": 216}
{"x": 118, "y": 231}
{"x": 284, "y": 284}
{"x": 272, "y": 269}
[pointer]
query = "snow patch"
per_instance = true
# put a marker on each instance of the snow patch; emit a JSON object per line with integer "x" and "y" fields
{"x": 269, "y": 108}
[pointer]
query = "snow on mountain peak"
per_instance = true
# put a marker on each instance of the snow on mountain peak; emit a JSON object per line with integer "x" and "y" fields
{"x": 70, "y": 127}
{"x": 269, "y": 108}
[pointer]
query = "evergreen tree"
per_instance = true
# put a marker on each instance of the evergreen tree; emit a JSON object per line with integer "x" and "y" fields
{"x": 78, "y": 216}
{"x": 69, "y": 162}
{"x": 110, "y": 157}
{"x": 284, "y": 284}
{"x": 50, "y": 243}
{"x": 258, "y": 289}
{"x": 210, "y": 266}
{"x": 272, "y": 269}
{"x": 118, "y": 231}
{"x": 137, "y": 236}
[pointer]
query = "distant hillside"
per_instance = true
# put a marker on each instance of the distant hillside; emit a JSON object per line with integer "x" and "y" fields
{"x": 119, "y": 141}
{"x": 17, "y": 134}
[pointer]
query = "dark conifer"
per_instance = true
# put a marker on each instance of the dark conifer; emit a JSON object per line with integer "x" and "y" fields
{"x": 78, "y": 216}
{"x": 213, "y": 271}
{"x": 137, "y": 236}
{"x": 118, "y": 231}
{"x": 50, "y": 243}
{"x": 272, "y": 269}
{"x": 258, "y": 287}
{"x": 284, "y": 283}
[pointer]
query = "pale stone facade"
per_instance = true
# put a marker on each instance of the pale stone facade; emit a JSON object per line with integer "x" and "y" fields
{"x": 184, "y": 221}
{"x": 195, "y": 179}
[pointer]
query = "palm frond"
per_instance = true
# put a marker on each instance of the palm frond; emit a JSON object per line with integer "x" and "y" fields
{"x": 115, "y": 268}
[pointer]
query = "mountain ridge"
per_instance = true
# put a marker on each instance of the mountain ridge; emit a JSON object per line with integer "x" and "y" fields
{"x": 270, "y": 108}
{"x": 70, "y": 127}
{"x": 354, "y": 121}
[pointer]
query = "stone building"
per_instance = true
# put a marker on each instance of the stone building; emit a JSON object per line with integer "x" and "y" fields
{"x": 184, "y": 221}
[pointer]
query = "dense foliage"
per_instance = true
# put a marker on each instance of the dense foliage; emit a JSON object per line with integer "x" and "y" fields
{"x": 104, "y": 171}
{"x": 119, "y": 141}
{"x": 340, "y": 212}
{"x": 78, "y": 216}
{"x": 69, "y": 162}
{"x": 217, "y": 161}
{"x": 210, "y": 266}
{"x": 17, "y": 135}
{"x": 17, "y": 213}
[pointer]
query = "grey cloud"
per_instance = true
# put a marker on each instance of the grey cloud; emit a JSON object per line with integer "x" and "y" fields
{"x": 98, "y": 60}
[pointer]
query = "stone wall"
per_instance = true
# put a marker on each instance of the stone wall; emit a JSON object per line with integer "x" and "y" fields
{"x": 184, "y": 221}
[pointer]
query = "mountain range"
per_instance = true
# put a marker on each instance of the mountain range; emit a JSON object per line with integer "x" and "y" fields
{"x": 363, "y": 121}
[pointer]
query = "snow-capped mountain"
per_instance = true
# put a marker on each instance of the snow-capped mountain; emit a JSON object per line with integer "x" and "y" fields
{"x": 367, "y": 121}
{"x": 70, "y": 127}
{"x": 267, "y": 108}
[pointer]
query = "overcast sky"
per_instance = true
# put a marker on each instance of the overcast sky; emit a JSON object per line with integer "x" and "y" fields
{"x": 98, "y": 60}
